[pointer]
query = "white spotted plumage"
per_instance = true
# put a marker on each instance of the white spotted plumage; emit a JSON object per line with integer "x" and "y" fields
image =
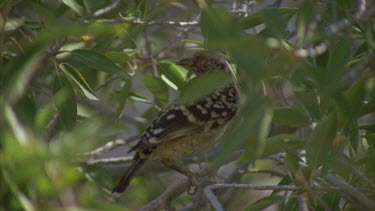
{"x": 183, "y": 129}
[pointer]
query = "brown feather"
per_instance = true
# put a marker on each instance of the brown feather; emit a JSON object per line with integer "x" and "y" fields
{"x": 126, "y": 178}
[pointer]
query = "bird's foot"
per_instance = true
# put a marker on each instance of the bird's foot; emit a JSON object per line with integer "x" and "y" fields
{"x": 196, "y": 182}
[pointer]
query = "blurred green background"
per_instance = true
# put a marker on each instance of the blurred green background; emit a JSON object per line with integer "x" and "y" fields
{"x": 77, "y": 74}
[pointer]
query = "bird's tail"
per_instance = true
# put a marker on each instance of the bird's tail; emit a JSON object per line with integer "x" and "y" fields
{"x": 126, "y": 178}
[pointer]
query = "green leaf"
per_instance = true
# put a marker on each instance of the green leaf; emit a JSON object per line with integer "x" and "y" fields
{"x": 275, "y": 22}
{"x": 292, "y": 203}
{"x": 257, "y": 140}
{"x": 117, "y": 56}
{"x": 348, "y": 105}
{"x": 78, "y": 81}
{"x": 304, "y": 18}
{"x": 102, "y": 43}
{"x": 45, "y": 14}
{"x": 310, "y": 102}
{"x": 75, "y": 6}
{"x": 265, "y": 202}
{"x": 139, "y": 98}
{"x": 250, "y": 54}
{"x": 157, "y": 87}
{"x": 141, "y": 6}
{"x": 98, "y": 61}
{"x": 26, "y": 108}
{"x": 332, "y": 199}
{"x": 202, "y": 86}
{"x": 65, "y": 102}
{"x": 195, "y": 42}
{"x": 256, "y": 19}
{"x": 219, "y": 27}
{"x": 44, "y": 115}
{"x": 124, "y": 95}
{"x": 339, "y": 57}
{"x": 320, "y": 142}
{"x": 19, "y": 73}
{"x": 290, "y": 116}
{"x": 130, "y": 51}
{"x": 356, "y": 94}
{"x": 246, "y": 130}
{"x": 282, "y": 143}
{"x": 329, "y": 78}
{"x": 172, "y": 75}
{"x": 15, "y": 125}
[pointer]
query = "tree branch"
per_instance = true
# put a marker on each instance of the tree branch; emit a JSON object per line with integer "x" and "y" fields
{"x": 163, "y": 201}
{"x": 330, "y": 30}
{"x": 208, "y": 190}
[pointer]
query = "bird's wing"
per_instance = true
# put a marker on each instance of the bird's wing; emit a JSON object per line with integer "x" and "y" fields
{"x": 182, "y": 120}
{"x": 175, "y": 121}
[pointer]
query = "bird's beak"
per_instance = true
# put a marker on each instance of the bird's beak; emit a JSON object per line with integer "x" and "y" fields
{"x": 187, "y": 62}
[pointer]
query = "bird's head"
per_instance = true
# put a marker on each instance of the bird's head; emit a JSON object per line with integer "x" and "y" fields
{"x": 206, "y": 61}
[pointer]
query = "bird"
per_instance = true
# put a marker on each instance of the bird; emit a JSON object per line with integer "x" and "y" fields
{"x": 183, "y": 129}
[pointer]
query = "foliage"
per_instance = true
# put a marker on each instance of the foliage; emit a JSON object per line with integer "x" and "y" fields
{"x": 77, "y": 74}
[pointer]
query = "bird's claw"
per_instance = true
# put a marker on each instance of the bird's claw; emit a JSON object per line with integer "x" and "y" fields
{"x": 195, "y": 184}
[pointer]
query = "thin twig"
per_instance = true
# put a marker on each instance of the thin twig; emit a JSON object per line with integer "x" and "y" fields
{"x": 149, "y": 52}
{"x": 271, "y": 172}
{"x": 106, "y": 9}
{"x": 148, "y": 23}
{"x": 95, "y": 161}
{"x": 163, "y": 201}
{"x": 109, "y": 146}
{"x": 177, "y": 38}
{"x": 163, "y": 23}
{"x": 354, "y": 169}
{"x": 106, "y": 82}
{"x": 208, "y": 190}
{"x": 108, "y": 112}
{"x": 331, "y": 29}
{"x": 351, "y": 191}
{"x": 216, "y": 203}
{"x": 175, "y": 190}
{"x": 84, "y": 100}
{"x": 302, "y": 204}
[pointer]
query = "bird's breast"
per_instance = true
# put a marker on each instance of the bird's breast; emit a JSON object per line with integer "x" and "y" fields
{"x": 193, "y": 143}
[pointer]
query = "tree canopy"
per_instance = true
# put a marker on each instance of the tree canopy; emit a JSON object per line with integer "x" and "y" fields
{"x": 81, "y": 79}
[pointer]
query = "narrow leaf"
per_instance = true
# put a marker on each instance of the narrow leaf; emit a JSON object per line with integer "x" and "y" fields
{"x": 44, "y": 115}
{"x": 19, "y": 73}
{"x": 195, "y": 42}
{"x": 17, "y": 128}
{"x": 329, "y": 78}
{"x": 310, "y": 102}
{"x": 78, "y": 81}
{"x": 219, "y": 27}
{"x": 157, "y": 87}
{"x": 202, "y": 86}
{"x": 172, "y": 73}
{"x": 124, "y": 95}
{"x": 139, "y": 98}
{"x": 98, "y": 61}
{"x": 75, "y": 6}
{"x": 117, "y": 56}
{"x": 255, "y": 19}
{"x": 282, "y": 143}
{"x": 263, "y": 203}
{"x": 290, "y": 116}
{"x": 320, "y": 142}
{"x": 65, "y": 102}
